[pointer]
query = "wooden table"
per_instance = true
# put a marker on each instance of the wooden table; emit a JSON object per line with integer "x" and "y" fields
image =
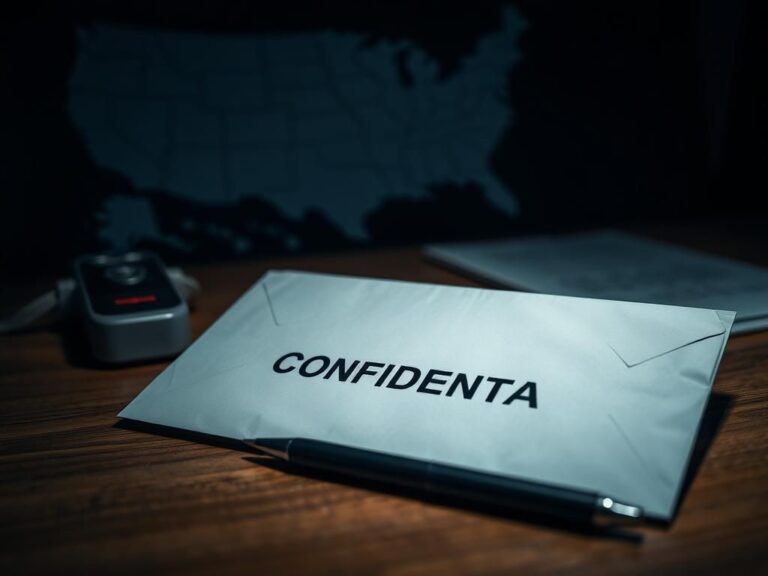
{"x": 79, "y": 494}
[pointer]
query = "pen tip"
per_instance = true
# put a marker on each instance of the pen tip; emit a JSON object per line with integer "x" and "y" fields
{"x": 610, "y": 509}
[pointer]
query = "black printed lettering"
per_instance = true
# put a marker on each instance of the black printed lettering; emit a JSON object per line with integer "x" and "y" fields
{"x": 467, "y": 390}
{"x": 277, "y": 368}
{"x": 365, "y": 372}
{"x": 530, "y": 388}
{"x": 384, "y": 374}
{"x": 497, "y": 383}
{"x": 415, "y": 375}
{"x": 341, "y": 366}
{"x": 304, "y": 369}
{"x": 399, "y": 377}
{"x": 430, "y": 379}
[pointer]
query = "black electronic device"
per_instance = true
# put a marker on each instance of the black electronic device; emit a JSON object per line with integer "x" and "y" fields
{"x": 130, "y": 307}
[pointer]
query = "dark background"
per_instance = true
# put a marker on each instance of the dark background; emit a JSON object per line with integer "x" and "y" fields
{"x": 625, "y": 112}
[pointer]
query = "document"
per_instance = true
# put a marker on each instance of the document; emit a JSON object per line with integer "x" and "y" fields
{"x": 583, "y": 393}
{"x": 617, "y": 266}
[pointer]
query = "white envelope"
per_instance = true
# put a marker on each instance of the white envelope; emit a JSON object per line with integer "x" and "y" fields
{"x": 592, "y": 394}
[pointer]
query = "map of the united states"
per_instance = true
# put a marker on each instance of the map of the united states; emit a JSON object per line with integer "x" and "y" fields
{"x": 307, "y": 120}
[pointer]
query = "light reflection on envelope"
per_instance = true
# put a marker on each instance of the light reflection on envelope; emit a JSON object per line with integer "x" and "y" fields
{"x": 592, "y": 394}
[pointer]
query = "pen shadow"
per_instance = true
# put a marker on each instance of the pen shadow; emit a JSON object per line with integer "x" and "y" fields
{"x": 715, "y": 413}
{"x": 293, "y": 469}
{"x": 619, "y": 533}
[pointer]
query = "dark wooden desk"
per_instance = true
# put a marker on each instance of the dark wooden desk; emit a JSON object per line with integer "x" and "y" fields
{"x": 78, "y": 494}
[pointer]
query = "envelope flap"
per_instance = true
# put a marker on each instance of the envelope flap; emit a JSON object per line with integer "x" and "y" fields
{"x": 640, "y": 332}
{"x": 635, "y": 332}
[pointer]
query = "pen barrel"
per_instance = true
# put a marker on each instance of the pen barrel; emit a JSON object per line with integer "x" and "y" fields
{"x": 501, "y": 492}
{"x": 504, "y": 492}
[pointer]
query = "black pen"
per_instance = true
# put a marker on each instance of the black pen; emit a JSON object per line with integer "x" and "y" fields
{"x": 505, "y": 492}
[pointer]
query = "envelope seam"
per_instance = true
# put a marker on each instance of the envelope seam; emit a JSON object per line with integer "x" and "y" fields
{"x": 627, "y": 364}
{"x": 172, "y": 370}
{"x": 269, "y": 303}
{"x": 633, "y": 364}
{"x": 634, "y": 450}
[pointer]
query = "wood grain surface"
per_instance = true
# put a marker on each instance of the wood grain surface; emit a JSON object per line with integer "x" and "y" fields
{"x": 81, "y": 494}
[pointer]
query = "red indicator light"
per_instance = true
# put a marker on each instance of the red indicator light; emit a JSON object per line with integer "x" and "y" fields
{"x": 128, "y": 300}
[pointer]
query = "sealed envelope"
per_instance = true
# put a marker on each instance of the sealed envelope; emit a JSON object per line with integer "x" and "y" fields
{"x": 592, "y": 394}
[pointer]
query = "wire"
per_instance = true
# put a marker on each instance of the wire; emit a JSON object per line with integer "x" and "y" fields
{"x": 188, "y": 287}
{"x": 59, "y": 303}
{"x": 31, "y": 314}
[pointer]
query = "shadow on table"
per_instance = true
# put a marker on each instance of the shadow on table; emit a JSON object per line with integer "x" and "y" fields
{"x": 715, "y": 414}
{"x": 625, "y": 534}
{"x": 77, "y": 352}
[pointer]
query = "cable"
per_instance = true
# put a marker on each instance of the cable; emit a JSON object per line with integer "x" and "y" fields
{"x": 58, "y": 304}
{"x": 30, "y": 314}
{"x": 188, "y": 287}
